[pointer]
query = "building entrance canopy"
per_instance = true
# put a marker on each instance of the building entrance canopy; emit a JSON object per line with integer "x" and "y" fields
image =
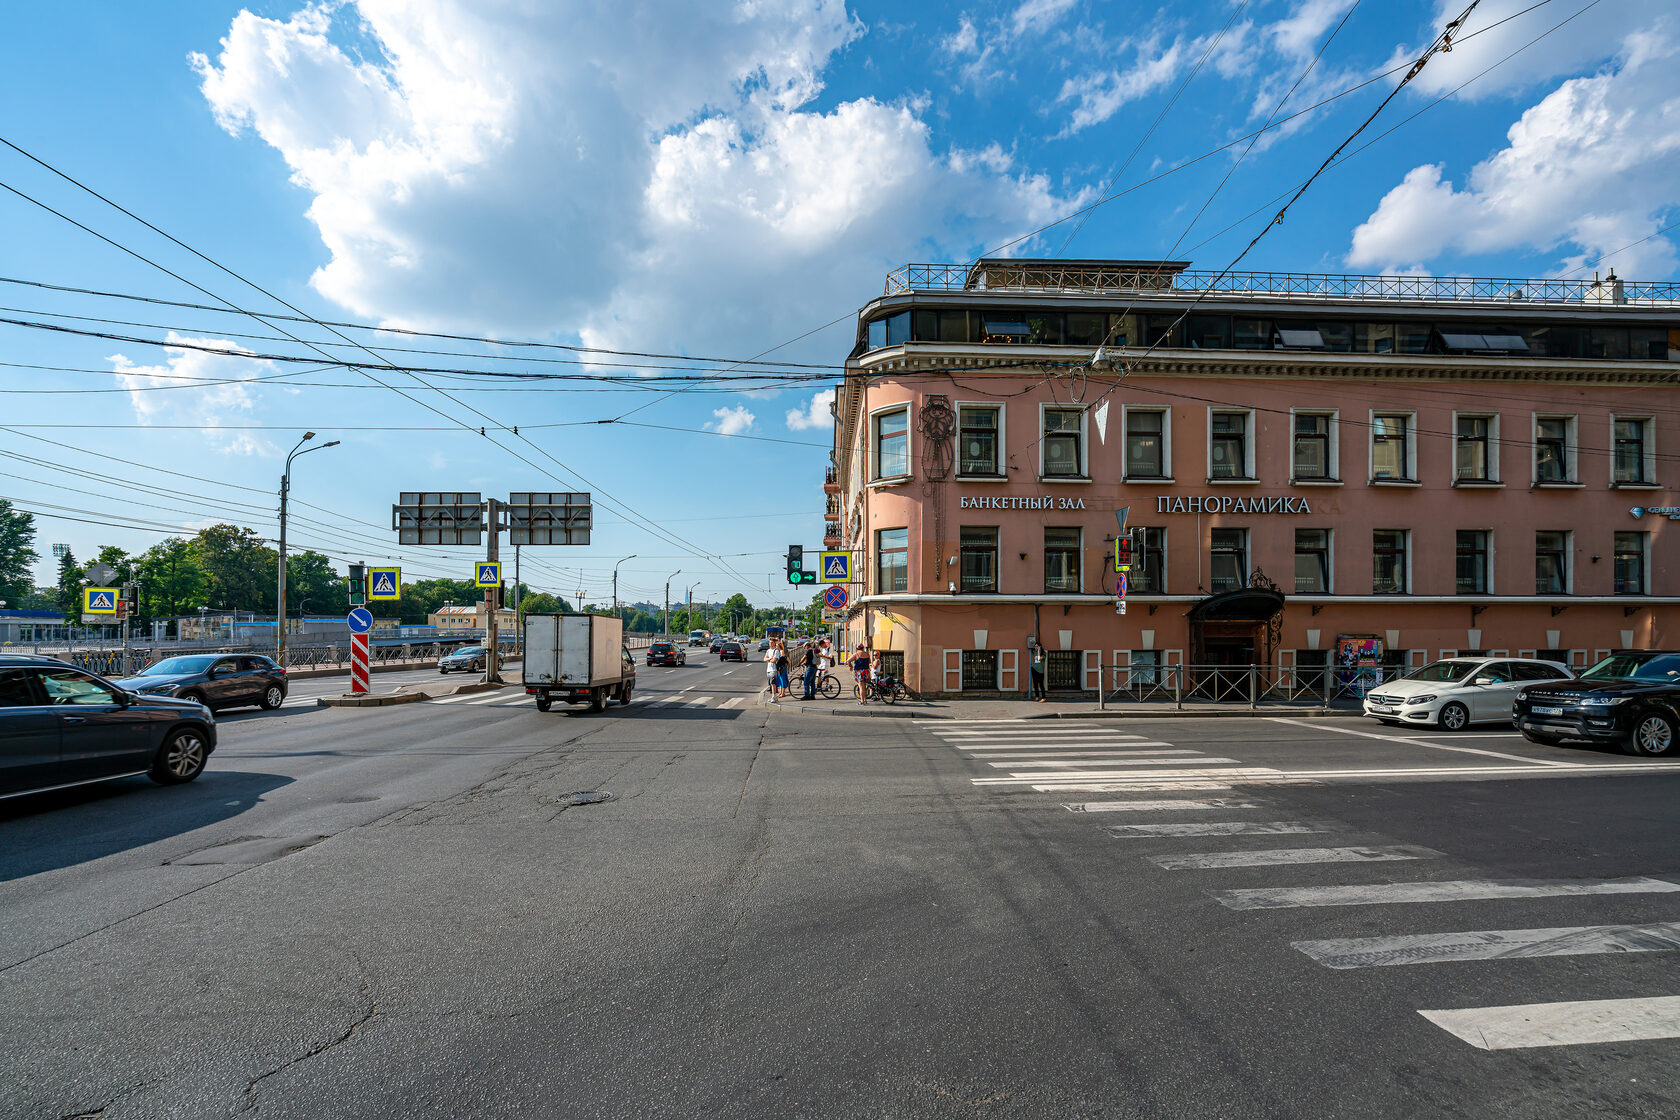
{"x": 1245, "y": 604}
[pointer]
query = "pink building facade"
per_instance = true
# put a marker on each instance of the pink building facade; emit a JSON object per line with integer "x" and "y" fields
{"x": 1388, "y": 469}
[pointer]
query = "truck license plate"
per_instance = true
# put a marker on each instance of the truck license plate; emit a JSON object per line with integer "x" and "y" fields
{"x": 1548, "y": 711}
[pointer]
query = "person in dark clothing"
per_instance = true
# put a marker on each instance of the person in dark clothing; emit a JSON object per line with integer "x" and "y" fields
{"x": 808, "y": 663}
{"x": 1037, "y": 667}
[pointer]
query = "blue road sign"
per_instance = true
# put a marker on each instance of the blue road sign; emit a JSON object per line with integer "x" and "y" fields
{"x": 835, "y": 598}
{"x": 360, "y": 620}
{"x": 384, "y": 583}
{"x": 99, "y": 600}
{"x": 488, "y": 573}
{"x": 836, "y": 568}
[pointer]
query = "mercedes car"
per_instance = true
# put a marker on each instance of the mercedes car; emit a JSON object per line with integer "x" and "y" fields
{"x": 1456, "y": 692}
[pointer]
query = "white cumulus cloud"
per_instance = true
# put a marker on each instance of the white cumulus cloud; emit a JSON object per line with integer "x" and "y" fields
{"x": 199, "y": 387}
{"x": 1589, "y": 169}
{"x": 730, "y": 421}
{"x": 816, "y": 414}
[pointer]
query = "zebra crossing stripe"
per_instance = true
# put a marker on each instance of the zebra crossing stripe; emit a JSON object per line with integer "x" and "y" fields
{"x": 1073, "y": 764}
{"x": 1225, "y": 828}
{"x": 1034, "y": 733}
{"x": 1156, "y": 806}
{"x": 1016, "y": 746}
{"x": 1525, "y": 1025}
{"x": 1463, "y": 890}
{"x": 1195, "y": 861}
{"x": 732, "y": 702}
{"x": 1109, "y": 754}
{"x": 1027, "y": 777}
{"x": 1492, "y": 945}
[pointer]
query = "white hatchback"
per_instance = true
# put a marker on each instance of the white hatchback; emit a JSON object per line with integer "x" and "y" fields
{"x": 1459, "y": 691}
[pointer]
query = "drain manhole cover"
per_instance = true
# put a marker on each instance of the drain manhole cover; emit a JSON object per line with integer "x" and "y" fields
{"x": 584, "y": 797}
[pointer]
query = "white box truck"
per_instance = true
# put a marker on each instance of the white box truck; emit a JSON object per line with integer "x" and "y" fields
{"x": 578, "y": 658}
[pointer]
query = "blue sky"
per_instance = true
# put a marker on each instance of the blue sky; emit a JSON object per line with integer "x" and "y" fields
{"x": 711, "y": 181}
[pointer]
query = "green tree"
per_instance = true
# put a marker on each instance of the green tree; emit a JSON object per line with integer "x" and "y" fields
{"x": 314, "y": 586}
{"x": 17, "y": 554}
{"x": 541, "y": 602}
{"x": 240, "y": 570}
{"x": 70, "y": 587}
{"x": 737, "y": 612}
{"x": 118, "y": 561}
{"x": 172, "y": 581}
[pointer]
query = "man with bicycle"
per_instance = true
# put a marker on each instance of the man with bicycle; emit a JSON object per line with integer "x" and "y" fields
{"x": 808, "y": 670}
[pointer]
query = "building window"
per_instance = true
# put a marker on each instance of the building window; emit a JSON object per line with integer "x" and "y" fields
{"x": 1061, "y": 670}
{"x": 979, "y": 559}
{"x": 1149, "y": 569}
{"x": 1630, "y": 563}
{"x": 892, "y": 560}
{"x": 1145, "y": 667}
{"x": 979, "y": 670}
{"x": 1551, "y": 563}
{"x": 1552, "y": 449}
{"x": 1472, "y": 562}
{"x": 1388, "y": 562}
{"x": 1473, "y": 454}
{"x": 1391, "y": 447}
{"x": 1629, "y": 464}
{"x": 977, "y": 434}
{"x": 1228, "y": 446}
{"x": 1228, "y": 569}
{"x": 1061, "y": 560}
{"x": 1312, "y": 561}
{"x": 1146, "y": 443}
{"x": 1311, "y": 456}
{"x": 1063, "y": 445}
{"x": 892, "y": 443}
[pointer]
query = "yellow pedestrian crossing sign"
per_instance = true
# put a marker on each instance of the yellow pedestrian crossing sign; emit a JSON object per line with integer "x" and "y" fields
{"x": 99, "y": 600}
{"x": 836, "y": 567}
{"x": 488, "y": 573}
{"x": 384, "y": 583}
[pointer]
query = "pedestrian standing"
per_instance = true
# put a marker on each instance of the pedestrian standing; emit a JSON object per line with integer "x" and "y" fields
{"x": 770, "y": 669}
{"x": 860, "y": 673}
{"x": 781, "y": 668}
{"x": 1037, "y": 667}
{"x": 825, "y": 657}
{"x": 808, "y": 665}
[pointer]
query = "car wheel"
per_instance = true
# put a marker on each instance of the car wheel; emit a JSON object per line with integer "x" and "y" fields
{"x": 442, "y": 671}
{"x": 1454, "y": 717}
{"x": 597, "y": 699}
{"x": 181, "y": 758}
{"x": 1543, "y": 740}
{"x": 624, "y": 695}
{"x": 544, "y": 703}
{"x": 196, "y": 698}
{"x": 1652, "y": 736}
{"x": 273, "y": 696}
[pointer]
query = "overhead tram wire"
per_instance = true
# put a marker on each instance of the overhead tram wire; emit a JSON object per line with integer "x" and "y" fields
{"x": 609, "y": 501}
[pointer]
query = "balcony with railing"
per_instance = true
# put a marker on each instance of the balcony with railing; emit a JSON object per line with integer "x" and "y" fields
{"x": 831, "y": 534}
{"x": 831, "y": 481}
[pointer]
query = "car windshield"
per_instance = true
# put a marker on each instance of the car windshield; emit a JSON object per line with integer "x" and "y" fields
{"x": 1443, "y": 672}
{"x": 469, "y": 651}
{"x": 177, "y": 666}
{"x": 1636, "y": 666}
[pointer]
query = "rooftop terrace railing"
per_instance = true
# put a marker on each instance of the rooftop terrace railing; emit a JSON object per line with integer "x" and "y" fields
{"x": 1084, "y": 279}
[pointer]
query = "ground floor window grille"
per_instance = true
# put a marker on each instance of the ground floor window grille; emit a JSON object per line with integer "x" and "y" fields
{"x": 1310, "y": 667}
{"x": 892, "y": 663}
{"x": 1061, "y": 669}
{"x": 979, "y": 669}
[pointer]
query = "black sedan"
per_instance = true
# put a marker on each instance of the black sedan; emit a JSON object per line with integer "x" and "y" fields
{"x": 469, "y": 659}
{"x": 666, "y": 653}
{"x": 732, "y": 651}
{"x": 216, "y": 680}
{"x": 1630, "y": 698}
{"x": 60, "y": 726}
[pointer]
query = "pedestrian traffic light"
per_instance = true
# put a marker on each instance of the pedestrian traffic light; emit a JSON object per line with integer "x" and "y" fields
{"x": 1123, "y": 552}
{"x": 358, "y": 584}
{"x": 796, "y": 572}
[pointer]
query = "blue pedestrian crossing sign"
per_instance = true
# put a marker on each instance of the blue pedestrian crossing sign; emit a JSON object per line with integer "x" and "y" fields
{"x": 360, "y": 620}
{"x": 99, "y": 600}
{"x": 384, "y": 584}
{"x": 836, "y": 567}
{"x": 488, "y": 573}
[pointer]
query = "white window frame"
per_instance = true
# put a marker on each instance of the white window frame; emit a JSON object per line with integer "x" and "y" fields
{"x": 1333, "y": 447}
{"x": 1166, "y": 442}
{"x": 1572, "y": 448}
{"x": 875, "y": 448}
{"x": 1493, "y": 448}
{"x": 1649, "y": 466}
{"x": 1250, "y": 438}
{"x": 1329, "y": 559}
{"x": 1411, "y": 478}
{"x": 1084, "y": 475}
{"x": 1002, "y": 456}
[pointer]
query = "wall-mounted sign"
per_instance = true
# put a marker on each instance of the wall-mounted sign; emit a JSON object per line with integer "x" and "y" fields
{"x": 1046, "y": 501}
{"x": 1670, "y": 512}
{"x": 1224, "y": 503}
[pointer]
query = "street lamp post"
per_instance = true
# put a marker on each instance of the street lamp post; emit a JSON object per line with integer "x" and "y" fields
{"x": 616, "y": 611}
{"x": 280, "y": 590}
{"x": 691, "y": 588}
{"x": 668, "y": 580}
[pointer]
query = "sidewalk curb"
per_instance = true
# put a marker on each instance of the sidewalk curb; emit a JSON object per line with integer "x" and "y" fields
{"x": 371, "y": 700}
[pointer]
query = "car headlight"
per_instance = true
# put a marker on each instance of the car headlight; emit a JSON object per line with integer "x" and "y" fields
{"x": 155, "y": 689}
{"x": 1601, "y": 701}
{"x": 1424, "y": 699}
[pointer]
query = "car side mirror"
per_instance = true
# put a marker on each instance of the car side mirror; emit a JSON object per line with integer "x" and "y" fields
{"x": 124, "y": 699}
{"x": 1483, "y": 681}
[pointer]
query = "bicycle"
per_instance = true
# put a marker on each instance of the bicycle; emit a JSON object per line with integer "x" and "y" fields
{"x": 888, "y": 690}
{"x": 827, "y": 685}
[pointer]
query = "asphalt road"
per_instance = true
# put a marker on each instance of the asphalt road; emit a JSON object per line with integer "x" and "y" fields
{"x": 386, "y": 912}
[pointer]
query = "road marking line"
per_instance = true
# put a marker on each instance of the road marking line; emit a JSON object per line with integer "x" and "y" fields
{"x": 1523, "y": 1025}
{"x": 1461, "y": 890}
{"x": 1200, "y": 786}
{"x": 732, "y": 702}
{"x": 1492, "y": 944}
{"x": 453, "y": 699}
{"x": 1034, "y": 733}
{"x": 1127, "y": 745}
{"x": 491, "y": 699}
{"x": 1220, "y": 772}
{"x": 1367, "y": 853}
{"x": 1226, "y": 828}
{"x": 1079, "y": 754}
{"x": 1154, "y": 806}
{"x": 1111, "y": 760}
{"x": 1417, "y": 741}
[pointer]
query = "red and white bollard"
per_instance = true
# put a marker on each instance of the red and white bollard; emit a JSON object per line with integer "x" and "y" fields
{"x": 358, "y": 663}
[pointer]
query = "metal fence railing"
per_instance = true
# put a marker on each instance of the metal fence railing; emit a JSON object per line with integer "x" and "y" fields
{"x": 1251, "y": 685}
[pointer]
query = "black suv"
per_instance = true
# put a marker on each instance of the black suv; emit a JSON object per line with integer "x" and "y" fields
{"x": 61, "y": 726}
{"x": 732, "y": 651}
{"x": 666, "y": 653}
{"x": 1631, "y": 698}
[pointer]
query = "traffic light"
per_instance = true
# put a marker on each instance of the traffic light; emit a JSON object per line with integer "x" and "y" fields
{"x": 796, "y": 572}
{"x": 1123, "y": 552}
{"x": 358, "y": 584}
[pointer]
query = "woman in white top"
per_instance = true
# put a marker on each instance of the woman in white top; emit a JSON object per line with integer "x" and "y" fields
{"x": 770, "y": 669}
